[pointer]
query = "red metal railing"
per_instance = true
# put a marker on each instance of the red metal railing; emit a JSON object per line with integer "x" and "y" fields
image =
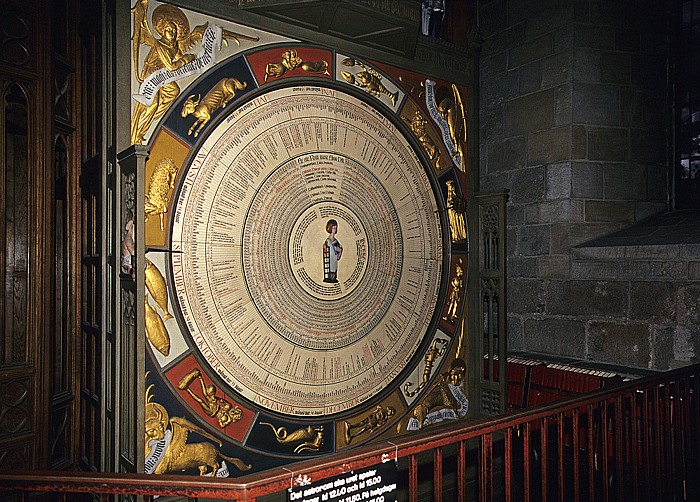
{"x": 638, "y": 441}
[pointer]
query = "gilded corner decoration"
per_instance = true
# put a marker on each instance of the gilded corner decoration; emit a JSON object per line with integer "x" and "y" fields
{"x": 307, "y": 245}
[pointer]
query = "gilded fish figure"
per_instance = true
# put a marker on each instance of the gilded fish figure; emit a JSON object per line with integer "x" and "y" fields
{"x": 155, "y": 282}
{"x": 156, "y": 332}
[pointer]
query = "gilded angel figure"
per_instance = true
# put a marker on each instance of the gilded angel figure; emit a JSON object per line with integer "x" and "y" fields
{"x": 169, "y": 46}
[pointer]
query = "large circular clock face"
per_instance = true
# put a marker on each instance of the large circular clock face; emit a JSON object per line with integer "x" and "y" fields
{"x": 311, "y": 251}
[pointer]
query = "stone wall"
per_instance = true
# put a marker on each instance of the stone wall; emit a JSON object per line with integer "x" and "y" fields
{"x": 574, "y": 115}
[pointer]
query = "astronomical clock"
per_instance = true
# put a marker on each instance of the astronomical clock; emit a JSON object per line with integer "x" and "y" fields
{"x": 306, "y": 245}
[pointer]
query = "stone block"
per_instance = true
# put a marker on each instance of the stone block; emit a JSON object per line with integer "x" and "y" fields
{"x": 587, "y": 180}
{"x": 609, "y": 211}
{"x": 653, "y": 301}
{"x": 558, "y": 180}
{"x": 515, "y": 214}
{"x": 494, "y": 180}
{"x": 555, "y": 211}
{"x": 499, "y": 88}
{"x": 690, "y": 251}
{"x": 610, "y": 144}
{"x": 623, "y": 344}
{"x": 491, "y": 17}
{"x": 496, "y": 63}
{"x": 526, "y": 296}
{"x": 649, "y": 71}
{"x": 532, "y": 214}
{"x": 627, "y": 40}
{"x": 534, "y": 240}
{"x": 511, "y": 240}
{"x": 689, "y": 304}
{"x": 560, "y": 238}
{"x": 594, "y": 36}
{"x": 615, "y": 68}
{"x": 504, "y": 39}
{"x": 631, "y": 106}
{"x": 564, "y": 39}
{"x": 625, "y": 182}
{"x": 533, "y": 112}
{"x": 553, "y": 266}
{"x": 519, "y": 11}
{"x": 654, "y": 109}
{"x": 528, "y": 186}
{"x": 531, "y": 50}
{"x": 669, "y": 252}
{"x": 579, "y": 142}
{"x": 686, "y": 344}
{"x": 591, "y": 270}
{"x": 661, "y": 347}
{"x": 562, "y": 105}
{"x": 561, "y": 14}
{"x": 607, "y": 13}
{"x": 580, "y": 233}
{"x": 508, "y": 154}
{"x": 521, "y": 266}
{"x": 675, "y": 346}
{"x": 596, "y": 104}
{"x": 549, "y": 146}
{"x": 644, "y": 209}
{"x": 654, "y": 270}
{"x": 530, "y": 78}
{"x": 556, "y": 70}
{"x": 657, "y": 179}
{"x": 597, "y": 252}
{"x": 582, "y": 11}
{"x": 588, "y": 298}
{"x": 647, "y": 146}
{"x": 515, "y": 333}
{"x": 559, "y": 337}
{"x": 586, "y": 65}
{"x": 491, "y": 125}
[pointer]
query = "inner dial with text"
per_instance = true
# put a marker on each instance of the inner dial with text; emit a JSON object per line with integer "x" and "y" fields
{"x": 308, "y": 251}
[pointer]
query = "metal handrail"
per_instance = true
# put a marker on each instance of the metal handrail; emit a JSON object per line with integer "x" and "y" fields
{"x": 641, "y": 438}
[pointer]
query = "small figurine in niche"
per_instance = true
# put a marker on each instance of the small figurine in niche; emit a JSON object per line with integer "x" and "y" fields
{"x": 433, "y": 13}
{"x": 332, "y": 252}
{"x": 128, "y": 250}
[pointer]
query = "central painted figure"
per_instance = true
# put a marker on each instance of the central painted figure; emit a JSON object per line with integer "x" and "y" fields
{"x": 332, "y": 251}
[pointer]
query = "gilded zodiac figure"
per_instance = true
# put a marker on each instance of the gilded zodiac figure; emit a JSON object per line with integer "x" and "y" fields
{"x": 167, "y": 449}
{"x": 156, "y": 332}
{"x": 370, "y": 423}
{"x": 168, "y": 51}
{"x": 446, "y": 393}
{"x": 419, "y": 129}
{"x": 309, "y": 438}
{"x": 157, "y": 288}
{"x": 213, "y": 405}
{"x": 452, "y": 110}
{"x": 455, "y": 214}
{"x": 217, "y": 97}
{"x": 457, "y": 282}
{"x": 368, "y": 79}
{"x": 161, "y": 183}
{"x": 437, "y": 349}
{"x": 291, "y": 60}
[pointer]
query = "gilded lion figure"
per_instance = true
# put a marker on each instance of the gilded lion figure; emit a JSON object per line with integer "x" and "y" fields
{"x": 162, "y": 182}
